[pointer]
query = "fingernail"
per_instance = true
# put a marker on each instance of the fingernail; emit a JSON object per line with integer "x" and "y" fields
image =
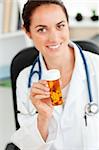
{"x": 48, "y": 93}
{"x": 46, "y": 85}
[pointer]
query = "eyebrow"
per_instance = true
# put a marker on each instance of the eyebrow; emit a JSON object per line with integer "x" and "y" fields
{"x": 60, "y": 22}
{"x": 44, "y": 26}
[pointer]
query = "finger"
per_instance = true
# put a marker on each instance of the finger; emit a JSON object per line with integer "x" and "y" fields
{"x": 44, "y": 82}
{"x": 40, "y": 97}
{"x": 48, "y": 101}
{"x": 37, "y": 99}
{"x": 60, "y": 81}
{"x": 39, "y": 91}
{"x": 43, "y": 104}
{"x": 40, "y": 86}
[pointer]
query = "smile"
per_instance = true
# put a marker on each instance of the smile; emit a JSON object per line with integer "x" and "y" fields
{"x": 54, "y": 46}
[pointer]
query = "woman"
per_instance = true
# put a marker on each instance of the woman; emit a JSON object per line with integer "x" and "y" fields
{"x": 55, "y": 127}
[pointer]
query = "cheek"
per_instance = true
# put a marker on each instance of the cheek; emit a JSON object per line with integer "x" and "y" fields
{"x": 65, "y": 35}
{"x": 39, "y": 42}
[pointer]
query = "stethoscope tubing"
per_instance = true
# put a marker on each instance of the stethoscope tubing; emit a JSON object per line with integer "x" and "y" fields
{"x": 87, "y": 75}
{"x": 39, "y": 72}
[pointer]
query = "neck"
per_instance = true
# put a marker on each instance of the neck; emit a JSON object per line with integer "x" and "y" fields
{"x": 65, "y": 64}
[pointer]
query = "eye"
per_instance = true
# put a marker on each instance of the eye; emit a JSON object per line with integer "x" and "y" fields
{"x": 60, "y": 26}
{"x": 41, "y": 30}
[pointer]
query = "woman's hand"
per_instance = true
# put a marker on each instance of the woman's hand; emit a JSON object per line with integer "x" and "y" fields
{"x": 40, "y": 97}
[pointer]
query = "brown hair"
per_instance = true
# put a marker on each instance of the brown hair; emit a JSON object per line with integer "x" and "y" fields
{"x": 30, "y": 7}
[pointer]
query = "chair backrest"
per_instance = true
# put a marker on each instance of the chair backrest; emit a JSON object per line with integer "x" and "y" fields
{"x": 11, "y": 146}
{"x": 21, "y": 60}
{"x": 26, "y": 57}
{"x": 88, "y": 46}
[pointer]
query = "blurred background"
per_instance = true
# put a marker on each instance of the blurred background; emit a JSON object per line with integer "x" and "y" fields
{"x": 83, "y": 23}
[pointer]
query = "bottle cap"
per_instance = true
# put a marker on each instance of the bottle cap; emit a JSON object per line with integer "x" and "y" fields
{"x": 51, "y": 75}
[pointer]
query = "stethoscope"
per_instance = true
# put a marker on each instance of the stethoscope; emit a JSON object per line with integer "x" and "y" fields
{"x": 91, "y": 108}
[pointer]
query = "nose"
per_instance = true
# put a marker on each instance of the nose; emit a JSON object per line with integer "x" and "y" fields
{"x": 53, "y": 36}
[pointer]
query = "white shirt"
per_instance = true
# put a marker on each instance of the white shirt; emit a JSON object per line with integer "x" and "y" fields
{"x": 67, "y": 130}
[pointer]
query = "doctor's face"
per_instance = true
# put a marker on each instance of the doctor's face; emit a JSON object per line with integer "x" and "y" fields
{"x": 49, "y": 30}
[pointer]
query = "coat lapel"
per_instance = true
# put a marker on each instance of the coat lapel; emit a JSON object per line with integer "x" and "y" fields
{"x": 76, "y": 84}
{"x": 78, "y": 95}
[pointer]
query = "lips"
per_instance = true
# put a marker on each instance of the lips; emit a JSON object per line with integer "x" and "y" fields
{"x": 54, "y": 46}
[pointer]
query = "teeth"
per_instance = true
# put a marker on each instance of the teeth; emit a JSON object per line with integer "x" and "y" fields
{"x": 54, "y": 46}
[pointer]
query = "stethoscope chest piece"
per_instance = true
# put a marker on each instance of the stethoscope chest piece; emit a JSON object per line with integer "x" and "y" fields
{"x": 91, "y": 109}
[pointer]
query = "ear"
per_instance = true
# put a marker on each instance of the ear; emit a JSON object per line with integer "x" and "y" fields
{"x": 27, "y": 33}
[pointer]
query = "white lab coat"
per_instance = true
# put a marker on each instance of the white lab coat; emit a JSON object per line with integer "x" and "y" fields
{"x": 67, "y": 130}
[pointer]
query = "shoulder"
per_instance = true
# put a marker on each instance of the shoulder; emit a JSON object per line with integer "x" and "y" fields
{"x": 93, "y": 63}
{"x": 92, "y": 57}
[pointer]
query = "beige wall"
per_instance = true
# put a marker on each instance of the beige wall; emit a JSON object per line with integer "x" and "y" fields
{"x": 83, "y": 33}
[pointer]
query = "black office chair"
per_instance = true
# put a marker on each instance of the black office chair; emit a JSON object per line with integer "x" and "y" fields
{"x": 22, "y": 60}
{"x": 26, "y": 57}
{"x": 88, "y": 46}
